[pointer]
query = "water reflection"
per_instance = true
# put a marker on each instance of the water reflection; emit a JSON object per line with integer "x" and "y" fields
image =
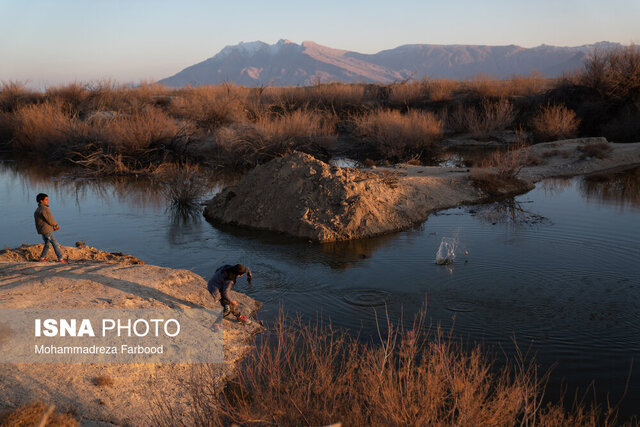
{"x": 509, "y": 212}
{"x": 617, "y": 188}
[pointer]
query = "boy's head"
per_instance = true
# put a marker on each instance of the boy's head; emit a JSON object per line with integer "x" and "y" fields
{"x": 238, "y": 269}
{"x": 42, "y": 198}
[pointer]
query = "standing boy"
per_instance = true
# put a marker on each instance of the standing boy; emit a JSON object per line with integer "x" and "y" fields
{"x": 46, "y": 225}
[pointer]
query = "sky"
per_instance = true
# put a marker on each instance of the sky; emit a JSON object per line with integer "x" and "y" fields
{"x": 52, "y": 42}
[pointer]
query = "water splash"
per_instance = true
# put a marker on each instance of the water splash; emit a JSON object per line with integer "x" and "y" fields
{"x": 447, "y": 251}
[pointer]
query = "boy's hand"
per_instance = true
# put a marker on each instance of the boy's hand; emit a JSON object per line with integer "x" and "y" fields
{"x": 56, "y": 228}
{"x": 234, "y": 303}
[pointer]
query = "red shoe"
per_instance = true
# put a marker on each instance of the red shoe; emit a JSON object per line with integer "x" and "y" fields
{"x": 64, "y": 261}
{"x": 42, "y": 260}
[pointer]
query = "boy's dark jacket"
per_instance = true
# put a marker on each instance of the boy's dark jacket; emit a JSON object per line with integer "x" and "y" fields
{"x": 45, "y": 223}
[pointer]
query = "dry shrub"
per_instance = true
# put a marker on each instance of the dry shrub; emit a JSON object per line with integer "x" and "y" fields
{"x": 555, "y": 122}
{"x": 102, "y": 381}
{"x": 71, "y": 97}
{"x": 487, "y": 87}
{"x": 484, "y": 120}
{"x": 183, "y": 185}
{"x": 32, "y": 414}
{"x": 246, "y": 145}
{"x": 599, "y": 150}
{"x": 14, "y": 95}
{"x": 614, "y": 72}
{"x": 42, "y": 128}
{"x": 334, "y": 96}
{"x": 308, "y": 373}
{"x": 397, "y": 136}
{"x": 210, "y": 107}
{"x": 137, "y": 132}
{"x": 499, "y": 172}
{"x": 407, "y": 93}
{"x": 440, "y": 89}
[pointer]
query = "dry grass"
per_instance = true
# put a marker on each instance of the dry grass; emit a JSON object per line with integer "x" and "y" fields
{"x": 485, "y": 119}
{"x": 102, "y": 381}
{"x": 14, "y": 95}
{"x": 308, "y": 373}
{"x": 246, "y": 145}
{"x": 42, "y": 128}
{"x": 400, "y": 137}
{"x": 555, "y": 122}
{"x": 408, "y": 94}
{"x": 31, "y": 414}
{"x": 598, "y": 150}
{"x": 209, "y": 107}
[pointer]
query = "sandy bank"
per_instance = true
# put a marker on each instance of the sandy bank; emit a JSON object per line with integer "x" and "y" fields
{"x": 304, "y": 197}
{"x": 95, "y": 284}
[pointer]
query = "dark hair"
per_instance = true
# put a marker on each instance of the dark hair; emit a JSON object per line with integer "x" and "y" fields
{"x": 40, "y": 197}
{"x": 238, "y": 269}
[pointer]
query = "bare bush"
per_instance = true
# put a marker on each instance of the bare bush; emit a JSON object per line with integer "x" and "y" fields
{"x": 14, "y": 95}
{"x": 499, "y": 172}
{"x": 183, "y": 185}
{"x": 246, "y": 145}
{"x": 484, "y": 120}
{"x": 309, "y": 373}
{"x": 407, "y": 93}
{"x": 397, "y": 136}
{"x": 42, "y": 128}
{"x": 210, "y": 107}
{"x": 614, "y": 72}
{"x": 440, "y": 89}
{"x": 555, "y": 122}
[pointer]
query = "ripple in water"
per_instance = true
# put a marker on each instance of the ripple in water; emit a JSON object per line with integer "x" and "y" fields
{"x": 367, "y": 297}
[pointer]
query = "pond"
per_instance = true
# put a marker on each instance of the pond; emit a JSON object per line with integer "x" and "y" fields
{"x": 556, "y": 269}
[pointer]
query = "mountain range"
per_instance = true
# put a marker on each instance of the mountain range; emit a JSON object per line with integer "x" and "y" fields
{"x": 286, "y": 63}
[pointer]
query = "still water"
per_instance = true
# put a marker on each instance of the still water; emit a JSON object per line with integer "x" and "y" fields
{"x": 557, "y": 269}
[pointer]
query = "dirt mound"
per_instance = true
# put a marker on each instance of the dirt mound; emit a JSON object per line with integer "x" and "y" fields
{"x": 81, "y": 253}
{"x": 304, "y": 197}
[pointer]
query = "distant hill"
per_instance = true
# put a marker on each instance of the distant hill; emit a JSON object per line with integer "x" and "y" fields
{"x": 289, "y": 64}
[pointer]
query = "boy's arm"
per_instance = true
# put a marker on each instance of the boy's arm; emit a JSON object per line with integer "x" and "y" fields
{"x": 226, "y": 287}
{"x": 46, "y": 215}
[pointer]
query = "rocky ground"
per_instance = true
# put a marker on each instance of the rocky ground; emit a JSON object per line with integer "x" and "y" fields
{"x": 304, "y": 197}
{"x": 101, "y": 281}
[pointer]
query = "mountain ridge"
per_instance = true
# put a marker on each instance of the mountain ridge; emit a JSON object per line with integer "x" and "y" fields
{"x": 286, "y": 63}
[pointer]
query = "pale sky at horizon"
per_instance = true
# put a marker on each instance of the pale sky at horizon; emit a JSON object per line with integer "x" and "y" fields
{"x": 52, "y": 42}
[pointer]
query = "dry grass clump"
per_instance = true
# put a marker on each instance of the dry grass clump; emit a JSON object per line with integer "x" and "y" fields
{"x": 72, "y": 97}
{"x": 308, "y": 373}
{"x": 614, "y": 72}
{"x": 482, "y": 121}
{"x": 599, "y": 150}
{"x": 210, "y": 107}
{"x": 32, "y": 414}
{"x": 407, "y": 93}
{"x": 102, "y": 381}
{"x": 183, "y": 185}
{"x": 440, "y": 89}
{"x": 14, "y": 95}
{"x": 486, "y": 87}
{"x": 248, "y": 144}
{"x": 400, "y": 137}
{"x": 499, "y": 172}
{"x": 555, "y": 122}
{"x": 42, "y": 128}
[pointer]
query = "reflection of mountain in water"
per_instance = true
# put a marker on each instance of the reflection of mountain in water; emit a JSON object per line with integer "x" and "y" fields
{"x": 618, "y": 188}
